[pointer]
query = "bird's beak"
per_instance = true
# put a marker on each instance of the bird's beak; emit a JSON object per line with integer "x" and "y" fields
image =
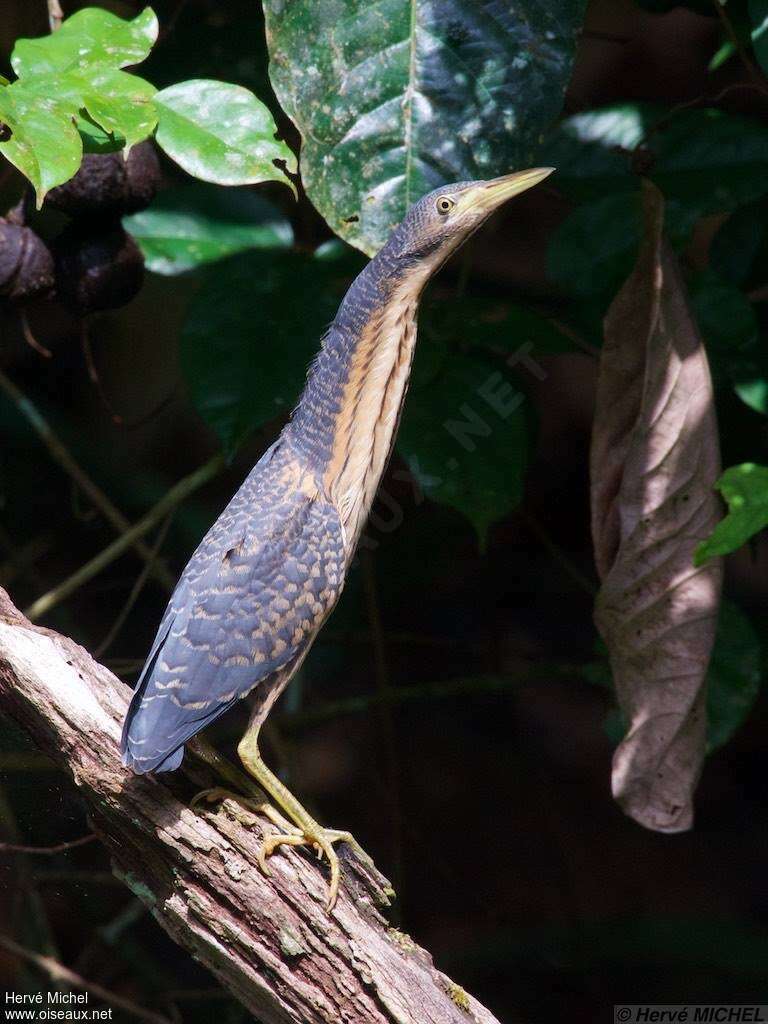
{"x": 491, "y": 194}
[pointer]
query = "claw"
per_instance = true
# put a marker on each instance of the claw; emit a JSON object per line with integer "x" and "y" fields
{"x": 323, "y": 842}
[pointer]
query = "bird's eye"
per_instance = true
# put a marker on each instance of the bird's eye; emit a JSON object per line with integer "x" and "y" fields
{"x": 445, "y": 205}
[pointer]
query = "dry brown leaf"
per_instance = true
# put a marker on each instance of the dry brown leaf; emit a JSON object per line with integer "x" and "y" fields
{"x": 654, "y": 461}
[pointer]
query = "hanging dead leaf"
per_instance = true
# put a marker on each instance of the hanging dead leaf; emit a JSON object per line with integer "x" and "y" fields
{"x": 654, "y": 462}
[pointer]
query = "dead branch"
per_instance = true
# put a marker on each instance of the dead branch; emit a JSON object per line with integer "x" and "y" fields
{"x": 269, "y": 941}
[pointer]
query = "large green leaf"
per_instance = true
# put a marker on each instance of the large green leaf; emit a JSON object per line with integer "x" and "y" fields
{"x": 196, "y": 224}
{"x": 745, "y": 489}
{"x": 90, "y": 38}
{"x": 220, "y": 133}
{"x": 740, "y": 248}
{"x": 707, "y": 160}
{"x": 395, "y": 98}
{"x": 464, "y": 434}
{"x": 250, "y": 334}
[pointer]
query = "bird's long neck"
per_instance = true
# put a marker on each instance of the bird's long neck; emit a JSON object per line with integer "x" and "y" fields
{"x": 347, "y": 416}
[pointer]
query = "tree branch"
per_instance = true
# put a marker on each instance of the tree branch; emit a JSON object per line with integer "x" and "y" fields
{"x": 269, "y": 941}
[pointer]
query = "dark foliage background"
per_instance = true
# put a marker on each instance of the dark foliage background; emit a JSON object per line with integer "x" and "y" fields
{"x": 450, "y": 714}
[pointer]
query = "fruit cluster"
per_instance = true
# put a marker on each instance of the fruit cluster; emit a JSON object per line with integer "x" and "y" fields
{"x": 93, "y": 264}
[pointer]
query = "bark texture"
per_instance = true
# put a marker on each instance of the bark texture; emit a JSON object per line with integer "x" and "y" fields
{"x": 269, "y": 941}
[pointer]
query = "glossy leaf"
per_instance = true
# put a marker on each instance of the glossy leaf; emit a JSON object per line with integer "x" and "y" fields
{"x": 745, "y": 490}
{"x": 44, "y": 145}
{"x": 395, "y": 99}
{"x": 196, "y": 224}
{"x": 250, "y": 334}
{"x": 90, "y": 38}
{"x": 464, "y": 434}
{"x": 220, "y": 133}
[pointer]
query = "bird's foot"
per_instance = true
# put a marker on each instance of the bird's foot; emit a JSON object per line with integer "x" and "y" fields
{"x": 253, "y": 805}
{"x": 322, "y": 839}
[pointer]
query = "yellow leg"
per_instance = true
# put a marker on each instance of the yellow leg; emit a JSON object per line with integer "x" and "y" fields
{"x": 308, "y": 831}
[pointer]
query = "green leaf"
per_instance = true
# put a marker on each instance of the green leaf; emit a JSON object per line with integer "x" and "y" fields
{"x": 89, "y": 39}
{"x": 758, "y": 15}
{"x": 44, "y": 145}
{"x": 250, "y": 333}
{"x": 464, "y": 434}
{"x": 121, "y": 104}
{"x": 745, "y": 489}
{"x": 196, "y": 224}
{"x": 734, "y": 677}
{"x": 595, "y": 247}
{"x": 729, "y": 326}
{"x": 707, "y": 160}
{"x": 393, "y": 99}
{"x": 741, "y": 244}
{"x": 220, "y": 133}
{"x": 491, "y": 326}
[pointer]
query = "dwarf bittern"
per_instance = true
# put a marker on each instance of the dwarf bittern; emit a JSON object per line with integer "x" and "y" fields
{"x": 265, "y": 577}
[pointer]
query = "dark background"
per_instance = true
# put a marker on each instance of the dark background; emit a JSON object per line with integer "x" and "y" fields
{"x": 487, "y": 802}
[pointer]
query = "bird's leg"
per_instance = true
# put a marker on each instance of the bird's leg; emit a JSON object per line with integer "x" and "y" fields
{"x": 252, "y": 797}
{"x": 309, "y": 833}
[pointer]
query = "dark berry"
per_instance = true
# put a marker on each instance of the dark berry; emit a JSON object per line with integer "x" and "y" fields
{"x": 107, "y": 183}
{"x": 98, "y": 266}
{"x": 26, "y": 264}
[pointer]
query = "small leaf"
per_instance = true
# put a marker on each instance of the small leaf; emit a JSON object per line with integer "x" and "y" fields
{"x": 44, "y": 145}
{"x": 250, "y": 333}
{"x": 220, "y": 133}
{"x": 654, "y": 460}
{"x": 464, "y": 434}
{"x": 121, "y": 104}
{"x": 195, "y": 224}
{"x": 88, "y": 39}
{"x": 745, "y": 489}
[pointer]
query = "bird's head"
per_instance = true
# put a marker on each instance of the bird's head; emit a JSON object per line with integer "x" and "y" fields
{"x": 438, "y": 224}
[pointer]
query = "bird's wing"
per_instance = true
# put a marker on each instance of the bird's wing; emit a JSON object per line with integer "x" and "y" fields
{"x": 249, "y": 603}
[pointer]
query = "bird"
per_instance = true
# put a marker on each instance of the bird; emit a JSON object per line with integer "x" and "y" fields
{"x": 264, "y": 579}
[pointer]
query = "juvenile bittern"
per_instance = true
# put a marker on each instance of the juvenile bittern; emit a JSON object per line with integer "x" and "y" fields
{"x": 265, "y": 577}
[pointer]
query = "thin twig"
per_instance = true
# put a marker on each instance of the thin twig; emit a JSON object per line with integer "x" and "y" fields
{"x": 30, "y": 338}
{"x": 136, "y": 589}
{"x": 58, "y": 972}
{"x": 746, "y": 60}
{"x": 477, "y": 686}
{"x": 188, "y": 485}
{"x": 93, "y": 375}
{"x": 386, "y": 721}
{"x": 558, "y": 555}
{"x": 48, "y": 851}
{"x": 574, "y": 336}
{"x": 55, "y": 14}
{"x": 61, "y": 455}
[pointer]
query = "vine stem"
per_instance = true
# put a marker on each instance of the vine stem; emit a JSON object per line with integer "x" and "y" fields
{"x": 55, "y": 14}
{"x": 59, "y": 973}
{"x": 186, "y": 486}
{"x": 61, "y": 455}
